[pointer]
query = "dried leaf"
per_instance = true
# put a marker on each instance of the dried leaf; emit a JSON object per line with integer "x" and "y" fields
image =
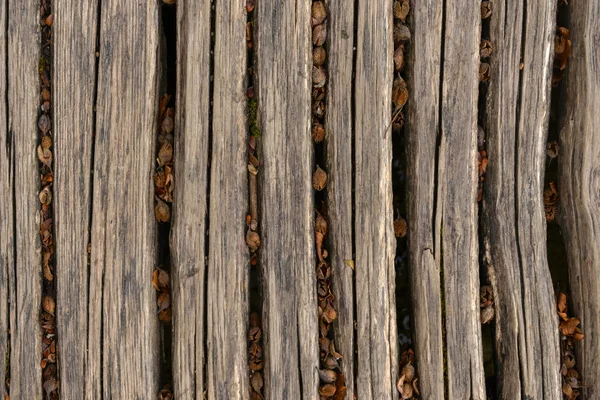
{"x": 319, "y": 35}
{"x": 567, "y": 327}
{"x": 562, "y": 306}
{"x": 165, "y": 154}
{"x": 44, "y": 123}
{"x": 318, "y": 133}
{"x": 327, "y": 375}
{"x": 162, "y": 211}
{"x": 349, "y": 263}
{"x": 400, "y": 227}
{"x": 318, "y": 13}
{"x": 319, "y": 56}
{"x": 48, "y": 305}
{"x": 253, "y": 240}
{"x": 327, "y": 390}
{"x": 256, "y": 381}
{"x": 319, "y": 179}
{"x": 160, "y": 280}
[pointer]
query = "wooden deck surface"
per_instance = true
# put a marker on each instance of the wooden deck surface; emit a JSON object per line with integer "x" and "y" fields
{"x": 109, "y": 75}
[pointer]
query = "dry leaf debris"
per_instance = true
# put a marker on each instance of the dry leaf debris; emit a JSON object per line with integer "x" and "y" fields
{"x": 570, "y": 332}
{"x": 163, "y": 172}
{"x": 407, "y": 384}
{"x": 401, "y": 36}
{"x": 551, "y": 200}
{"x": 486, "y": 304}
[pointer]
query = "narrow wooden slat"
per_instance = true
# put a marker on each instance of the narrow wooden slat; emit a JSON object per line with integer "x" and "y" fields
{"x": 228, "y": 267}
{"x": 284, "y": 51}
{"x": 422, "y": 127}
{"x": 579, "y": 186}
{"x": 457, "y": 200}
{"x": 74, "y": 84}
{"x": 123, "y": 332}
{"x": 188, "y": 230}
{"x": 7, "y": 255}
{"x": 23, "y": 100}
{"x": 338, "y": 125}
{"x": 375, "y": 242}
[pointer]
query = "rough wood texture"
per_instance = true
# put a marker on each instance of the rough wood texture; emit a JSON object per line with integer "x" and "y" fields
{"x": 123, "y": 332}
{"x": 457, "y": 215}
{"x": 422, "y": 127}
{"x": 7, "y": 250}
{"x": 74, "y": 85}
{"x": 339, "y": 130}
{"x": 579, "y": 186}
{"x": 228, "y": 266}
{"x": 188, "y": 230}
{"x": 23, "y": 100}
{"x": 290, "y": 328}
{"x": 375, "y": 245}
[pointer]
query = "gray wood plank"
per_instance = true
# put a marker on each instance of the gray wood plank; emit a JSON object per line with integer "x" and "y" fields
{"x": 579, "y": 186}
{"x": 228, "y": 265}
{"x": 188, "y": 229}
{"x": 457, "y": 200}
{"x": 422, "y": 127}
{"x": 339, "y": 135}
{"x": 375, "y": 242}
{"x": 23, "y": 100}
{"x": 7, "y": 250}
{"x": 74, "y": 31}
{"x": 284, "y": 60}
{"x": 123, "y": 332}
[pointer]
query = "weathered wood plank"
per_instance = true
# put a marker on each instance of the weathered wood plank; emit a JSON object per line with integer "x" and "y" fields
{"x": 188, "y": 230}
{"x": 74, "y": 88}
{"x": 23, "y": 95}
{"x": 422, "y": 127}
{"x": 579, "y": 186}
{"x": 457, "y": 200}
{"x": 7, "y": 250}
{"x": 123, "y": 332}
{"x": 375, "y": 245}
{"x": 228, "y": 265}
{"x": 284, "y": 51}
{"x": 338, "y": 125}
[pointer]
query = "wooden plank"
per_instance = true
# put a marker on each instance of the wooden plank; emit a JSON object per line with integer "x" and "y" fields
{"x": 579, "y": 186}
{"x": 338, "y": 125}
{"x": 188, "y": 229}
{"x": 284, "y": 54}
{"x": 7, "y": 250}
{"x": 73, "y": 97}
{"x": 422, "y": 127}
{"x": 375, "y": 245}
{"x": 457, "y": 200}
{"x": 228, "y": 266}
{"x": 123, "y": 333}
{"x": 23, "y": 100}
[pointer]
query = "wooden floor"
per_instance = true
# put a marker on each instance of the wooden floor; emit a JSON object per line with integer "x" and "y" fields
{"x": 108, "y": 78}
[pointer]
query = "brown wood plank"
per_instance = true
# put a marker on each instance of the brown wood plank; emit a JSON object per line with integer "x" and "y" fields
{"x": 422, "y": 127}
{"x": 579, "y": 186}
{"x": 457, "y": 201}
{"x": 375, "y": 245}
{"x": 123, "y": 332}
{"x": 338, "y": 125}
{"x": 188, "y": 229}
{"x": 228, "y": 266}
{"x": 7, "y": 250}
{"x": 73, "y": 97}
{"x": 23, "y": 95}
{"x": 284, "y": 60}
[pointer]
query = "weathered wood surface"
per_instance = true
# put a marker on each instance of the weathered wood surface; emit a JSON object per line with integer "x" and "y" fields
{"x": 228, "y": 258}
{"x": 7, "y": 250}
{"x": 123, "y": 331}
{"x": 422, "y": 129}
{"x": 290, "y": 328}
{"x": 188, "y": 230}
{"x": 339, "y": 139}
{"x": 456, "y": 212}
{"x": 73, "y": 105}
{"x": 23, "y": 95}
{"x": 579, "y": 186}
{"x": 377, "y": 367}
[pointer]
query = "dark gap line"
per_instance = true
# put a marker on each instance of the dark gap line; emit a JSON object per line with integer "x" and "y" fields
{"x": 11, "y": 165}
{"x": 353, "y": 199}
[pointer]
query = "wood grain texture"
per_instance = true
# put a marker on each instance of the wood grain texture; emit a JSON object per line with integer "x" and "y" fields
{"x": 377, "y": 368}
{"x": 74, "y": 32}
{"x": 339, "y": 136}
{"x": 457, "y": 200}
{"x": 501, "y": 254}
{"x": 290, "y": 328}
{"x": 123, "y": 332}
{"x": 23, "y": 100}
{"x": 228, "y": 265}
{"x": 422, "y": 127}
{"x": 579, "y": 186}
{"x": 188, "y": 230}
{"x": 541, "y": 378}
{"x": 7, "y": 250}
